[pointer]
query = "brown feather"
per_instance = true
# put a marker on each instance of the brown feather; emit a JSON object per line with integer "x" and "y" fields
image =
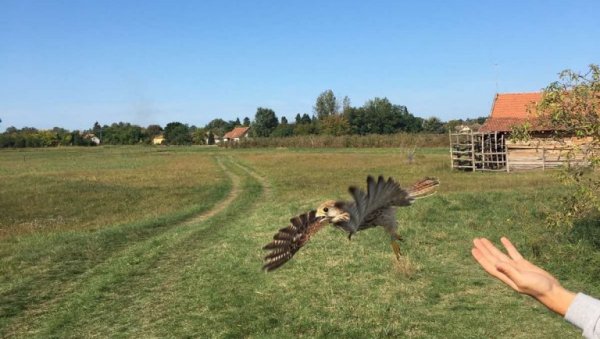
{"x": 375, "y": 207}
{"x": 423, "y": 188}
{"x": 288, "y": 240}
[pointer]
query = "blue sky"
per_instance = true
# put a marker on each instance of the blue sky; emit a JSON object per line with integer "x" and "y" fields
{"x": 71, "y": 63}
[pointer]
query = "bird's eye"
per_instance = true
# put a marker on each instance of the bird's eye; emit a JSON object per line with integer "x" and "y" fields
{"x": 325, "y": 209}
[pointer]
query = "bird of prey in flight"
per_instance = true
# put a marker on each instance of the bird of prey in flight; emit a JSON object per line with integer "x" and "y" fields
{"x": 376, "y": 207}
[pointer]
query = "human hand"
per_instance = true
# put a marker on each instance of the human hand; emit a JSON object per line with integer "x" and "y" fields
{"x": 521, "y": 275}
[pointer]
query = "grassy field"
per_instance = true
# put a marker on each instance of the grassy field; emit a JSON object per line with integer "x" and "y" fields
{"x": 166, "y": 242}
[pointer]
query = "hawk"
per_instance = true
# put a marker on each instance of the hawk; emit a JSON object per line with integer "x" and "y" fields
{"x": 376, "y": 207}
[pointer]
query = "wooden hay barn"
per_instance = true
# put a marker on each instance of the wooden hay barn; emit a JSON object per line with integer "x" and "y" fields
{"x": 490, "y": 148}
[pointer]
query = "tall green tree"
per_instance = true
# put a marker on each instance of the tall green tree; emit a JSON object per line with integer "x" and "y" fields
{"x": 346, "y": 105}
{"x": 265, "y": 122}
{"x": 283, "y": 130}
{"x": 334, "y": 125}
{"x": 97, "y": 129}
{"x": 326, "y": 104}
{"x": 246, "y": 122}
{"x": 380, "y": 116}
{"x": 177, "y": 133}
{"x": 433, "y": 125}
{"x": 153, "y": 131}
{"x": 305, "y": 119}
{"x": 121, "y": 134}
{"x": 198, "y": 136}
{"x": 218, "y": 126}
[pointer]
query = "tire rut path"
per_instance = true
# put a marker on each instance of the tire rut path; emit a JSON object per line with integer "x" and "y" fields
{"x": 223, "y": 204}
{"x": 176, "y": 233}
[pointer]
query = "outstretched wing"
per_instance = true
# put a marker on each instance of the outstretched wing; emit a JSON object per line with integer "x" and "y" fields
{"x": 423, "y": 188}
{"x": 290, "y": 239}
{"x": 380, "y": 195}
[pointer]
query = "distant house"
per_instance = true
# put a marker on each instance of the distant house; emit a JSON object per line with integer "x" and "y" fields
{"x": 93, "y": 138}
{"x": 236, "y": 134}
{"x": 158, "y": 140}
{"x": 491, "y": 148}
{"x": 217, "y": 139}
{"x": 463, "y": 129}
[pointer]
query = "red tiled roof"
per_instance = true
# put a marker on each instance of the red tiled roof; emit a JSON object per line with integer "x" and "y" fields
{"x": 510, "y": 109}
{"x": 500, "y": 124}
{"x": 237, "y": 132}
{"x": 514, "y": 105}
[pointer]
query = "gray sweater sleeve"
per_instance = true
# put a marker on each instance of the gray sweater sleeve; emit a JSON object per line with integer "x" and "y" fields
{"x": 584, "y": 312}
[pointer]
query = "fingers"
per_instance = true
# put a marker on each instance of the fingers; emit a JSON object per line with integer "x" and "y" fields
{"x": 491, "y": 267}
{"x": 493, "y": 250}
{"x": 512, "y": 274}
{"x": 483, "y": 260}
{"x": 483, "y": 255}
{"x": 489, "y": 252}
{"x": 511, "y": 249}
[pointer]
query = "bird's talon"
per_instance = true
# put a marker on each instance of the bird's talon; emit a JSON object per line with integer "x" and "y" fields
{"x": 396, "y": 249}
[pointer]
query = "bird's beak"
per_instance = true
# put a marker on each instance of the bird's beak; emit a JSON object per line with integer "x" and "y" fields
{"x": 321, "y": 218}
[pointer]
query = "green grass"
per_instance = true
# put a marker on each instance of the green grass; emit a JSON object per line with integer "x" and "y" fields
{"x": 131, "y": 259}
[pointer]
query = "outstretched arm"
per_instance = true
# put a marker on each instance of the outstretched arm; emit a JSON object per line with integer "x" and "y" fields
{"x": 524, "y": 277}
{"x": 521, "y": 275}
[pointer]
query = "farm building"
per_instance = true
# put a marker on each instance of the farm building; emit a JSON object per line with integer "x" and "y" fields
{"x": 158, "y": 140}
{"x": 216, "y": 139}
{"x": 236, "y": 134}
{"x": 490, "y": 148}
{"x": 93, "y": 138}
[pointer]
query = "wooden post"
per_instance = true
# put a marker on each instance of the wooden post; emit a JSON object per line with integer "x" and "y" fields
{"x": 481, "y": 137}
{"x": 496, "y": 157}
{"x": 543, "y": 158}
{"x": 451, "y": 152}
{"x": 504, "y": 159}
{"x": 472, "y": 152}
{"x": 507, "y": 164}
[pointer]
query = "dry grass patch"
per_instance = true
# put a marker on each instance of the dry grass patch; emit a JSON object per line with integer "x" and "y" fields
{"x": 94, "y": 188}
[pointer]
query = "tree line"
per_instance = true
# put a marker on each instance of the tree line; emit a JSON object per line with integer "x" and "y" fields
{"x": 330, "y": 118}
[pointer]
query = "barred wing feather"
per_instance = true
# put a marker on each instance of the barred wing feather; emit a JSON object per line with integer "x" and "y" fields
{"x": 289, "y": 240}
{"x": 423, "y": 188}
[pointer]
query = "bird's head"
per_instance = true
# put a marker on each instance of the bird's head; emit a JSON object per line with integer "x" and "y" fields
{"x": 329, "y": 210}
